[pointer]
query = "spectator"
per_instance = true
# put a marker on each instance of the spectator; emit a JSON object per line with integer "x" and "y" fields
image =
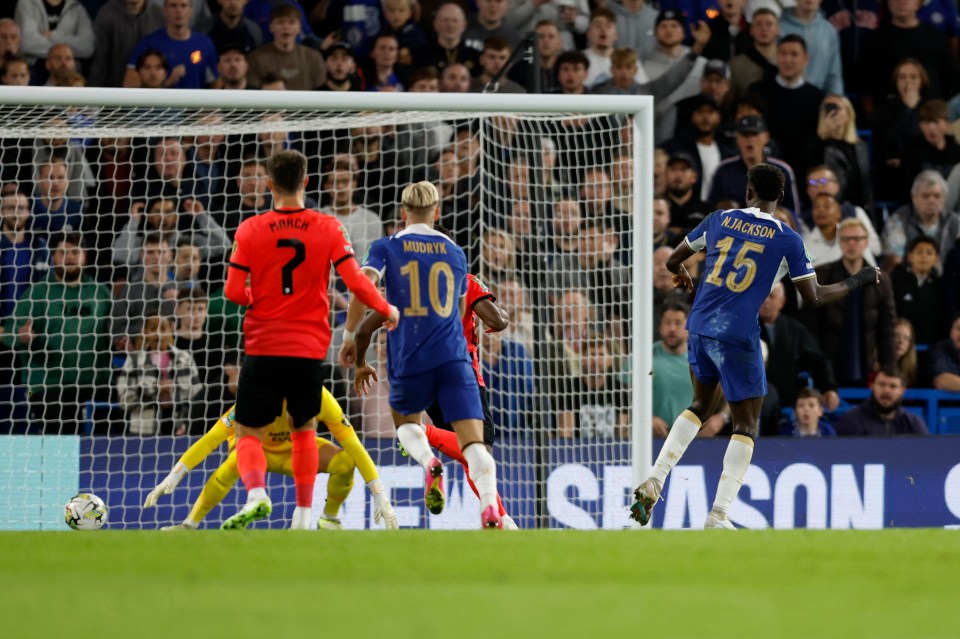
{"x": 455, "y": 78}
{"x": 701, "y": 144}
{"x": 945, "y": 360}
{"x": 924, "y": 216}
{"x": 251, "y": 197}
{"x": 821, "y": 239}
{"x": 271, "y": 82}
{"x": 598, "y": 401}
{"x": 840, "y": 148}
{"x": 233, "y": 68}
{"x": 663, "y": 236}
{"x": 935, "y": 149}
{"x": 59, "y": 329}
{"x": 730, "y": 178}
{"x": 858, "y": 333}
{"x": 300, "y": 67}
{"x": 896, "y": 124}
{"x": 16, "y": 72}
{"x": 201, "y": 18}
{"x": 24, "y": 258}
{"x": 686, "y": 208}
{"x": 191, "y": 56}
{"x": 163, "y": 215}
{"x": 806, "y": 20}
{"x": 153, "y": 70}
{"x": 45, "y": 24}
{"x": 672, "y": 388}
{"x": 793, "y": 103}
{"x": 381, "y": 72}
{"x": 904, "y": 36}
{"x": 882, "y": 414}
{"x": 10, "y": 41}
{"x": 80, "y": 176}
{"x": 158, "y": 382}
{"x": 187, "y": 265}
{"x": 512, "y": 297}
{"x": 715, "y": 85}
{"x": 596, "y": 269}
{"x": 52, "y": 210}
{"x": 905, "y": 349}
{"x": 449, "y": 47}
{"x": 169, "y": 173}
{"x": 508, "y": 373}
{"x": 808, "y": 416}
{"x": 489, "y": 22}
{"x": 342, "y": 68}
{"x": 918, "y": 290}
{"x": 117, "y": 29}
{"x": 150, "y": 291}
{"x": 601, "y": 37}
{"x": 206, "y": 350}
{"x": 636, "y": 23}
{"x": 499, "y": 261}
{"x": 231, "y": 28}
{"x": 855, "y": 24}
{"x": 571, "y": 73}
{"x": 496, "y": 52}
{"x": 565, "y": 227}
{"x": 550, "y": 46}
{"x": 362, "y": 224}
{"x": 758, "y": 61}
{"x": 820, "y": 179}
{"x": 59, "y": 65}
{"x": 793, "y": 351}
{"x": 729, "y": 33}
{"x": 400, "y": 23}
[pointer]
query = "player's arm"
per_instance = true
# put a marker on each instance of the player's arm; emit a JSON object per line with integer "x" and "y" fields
{"x": 681, "y": 277}
{"x": 815, "y": 294}
{"x": 494, "y": 318}
{"x": 365, "y": 331}
{"x": 364, "y": 289}
{"x": 355, "y": 310}
{"x": 210, "y": 441}
{"x": 236, "y": 289}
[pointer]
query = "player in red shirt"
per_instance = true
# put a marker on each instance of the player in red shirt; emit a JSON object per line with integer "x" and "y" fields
{"x": 480, "y": 303}
{"x": 286, "y": 253}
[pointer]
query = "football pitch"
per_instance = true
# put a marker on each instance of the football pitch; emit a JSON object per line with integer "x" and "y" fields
{"x": 653, "y": 584}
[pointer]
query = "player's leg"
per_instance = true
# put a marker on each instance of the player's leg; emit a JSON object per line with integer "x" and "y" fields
{"x": 259, "y": 401}
{"x": 744, "y": 383}
{"x": 409, "y": 397}
{"x": 706, "y": 397}
{"x": 303, "y": 403}
{"x": 459, "y": 397}
{"x": 217, "y": 487}
{"x": 341, "y": 467}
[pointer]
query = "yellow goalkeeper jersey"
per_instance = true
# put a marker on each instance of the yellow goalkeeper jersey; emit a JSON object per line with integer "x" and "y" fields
{"x": 277, "y": 435}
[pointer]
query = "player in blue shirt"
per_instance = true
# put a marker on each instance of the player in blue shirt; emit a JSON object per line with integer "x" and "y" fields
{"x": 425, "y": 274}
{"x": 748, "y": 251}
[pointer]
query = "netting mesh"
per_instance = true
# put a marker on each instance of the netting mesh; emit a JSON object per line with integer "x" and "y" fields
{"x": 122, "y": 353}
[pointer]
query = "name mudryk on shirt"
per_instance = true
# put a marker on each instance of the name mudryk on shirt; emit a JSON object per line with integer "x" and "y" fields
{"x": 750, "y": 228}
{"x": 430, "y": 248}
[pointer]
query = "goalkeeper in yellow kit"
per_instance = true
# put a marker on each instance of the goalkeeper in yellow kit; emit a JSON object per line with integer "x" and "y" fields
{"x": 338, "y": 463}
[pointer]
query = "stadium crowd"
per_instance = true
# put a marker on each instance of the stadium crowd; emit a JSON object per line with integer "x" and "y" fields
{"x": 112, "y": 250}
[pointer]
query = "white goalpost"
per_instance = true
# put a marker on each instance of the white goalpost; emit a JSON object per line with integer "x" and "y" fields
{"x": 118, "y": 354}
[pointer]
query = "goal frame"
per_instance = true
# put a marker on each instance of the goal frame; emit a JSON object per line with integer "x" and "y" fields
{"x": 639, "y": 108}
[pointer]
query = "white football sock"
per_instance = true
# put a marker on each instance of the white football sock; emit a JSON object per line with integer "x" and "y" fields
{"x": 256, "y": 494}
{"x": 301, "y": 518}
{"x": 413, "y": 437}
{"x": 189, "y": 523}
{"x": 483, "y": 472}
{"x": 684, "y": 430}
{"x": 736, "y": 461}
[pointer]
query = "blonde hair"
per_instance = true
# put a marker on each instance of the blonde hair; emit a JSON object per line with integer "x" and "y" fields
{"x": 851, "y": 221}
{"x": 420, "y": 198}
{"x": 908, "y": 361}
{"x": 850, "y": 128}
{"x": 623, "y": 57}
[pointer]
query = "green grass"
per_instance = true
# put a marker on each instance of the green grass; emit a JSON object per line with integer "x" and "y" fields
{"x": 432, "y": 585}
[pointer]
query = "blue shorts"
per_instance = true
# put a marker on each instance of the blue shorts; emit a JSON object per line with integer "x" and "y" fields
{"x": 452, "y": 384}
{"x": 739, "y": 371}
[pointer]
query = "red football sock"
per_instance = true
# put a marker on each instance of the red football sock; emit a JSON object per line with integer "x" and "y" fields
{"x": 306, "y": 459}
{"x": 251, "y": 462}
{"x": 446, "y": 442}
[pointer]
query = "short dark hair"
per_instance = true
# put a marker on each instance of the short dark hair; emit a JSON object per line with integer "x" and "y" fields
{"x": 423, "y": 73}
{"x": 676, "y": 305}
{"x": 934, "y": 110}
{"x": 767, "y": 182}
{"x": 284, "y": 11}
{"x": 192, "y": 294}
{"x": 892, "y": 370}
{"x": 922, "y": 239}
{"x": 271, "y": 78}
{"x": 287, "y": 169}
{"x": 572, "y": 57}
{"x": 764, "y": 11}
{"x": 808, "y": 392}
{"x": 497, "y": 43}
{"x": 156, "y": 237}
{"x": 793, "y": 37}
{"x": 142, "y": 60}
{"x": 67, "y": 237}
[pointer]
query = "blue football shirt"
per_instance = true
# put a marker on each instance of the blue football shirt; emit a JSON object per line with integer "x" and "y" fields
{"x": 748, "y": 251}
{"x": 197, "y": 55}
{"x": 425, "y": 274}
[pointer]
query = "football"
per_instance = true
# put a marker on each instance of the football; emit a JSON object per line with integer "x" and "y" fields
{"x": 85, "y": 511}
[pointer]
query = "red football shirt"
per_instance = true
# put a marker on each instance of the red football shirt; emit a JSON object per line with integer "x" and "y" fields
{"x": 288, "y": 255}
{"x": 477, "y": 291}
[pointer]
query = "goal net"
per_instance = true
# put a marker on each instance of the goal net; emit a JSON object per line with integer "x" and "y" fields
{"x": 119, "y": 350}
